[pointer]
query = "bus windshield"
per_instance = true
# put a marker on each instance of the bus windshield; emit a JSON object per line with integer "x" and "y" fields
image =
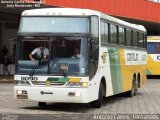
{"x": 61, "y": 55}
{"x": 153, "y": 47}
{"x": 54, "y": 24}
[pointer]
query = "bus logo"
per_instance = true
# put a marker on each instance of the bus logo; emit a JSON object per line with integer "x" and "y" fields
{"x": 104, "y": 57}
{"x": 48, "y": 83}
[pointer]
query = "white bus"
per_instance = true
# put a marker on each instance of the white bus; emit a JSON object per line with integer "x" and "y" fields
{"x": 112, "y": 56}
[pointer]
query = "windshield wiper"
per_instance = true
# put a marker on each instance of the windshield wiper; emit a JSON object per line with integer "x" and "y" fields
{"x": 34, "y": 68}
{"x": 59, "y": 67}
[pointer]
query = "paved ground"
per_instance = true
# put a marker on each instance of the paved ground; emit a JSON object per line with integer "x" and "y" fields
{"x": 6, "y": 79}
{"x": 146, "y": 102}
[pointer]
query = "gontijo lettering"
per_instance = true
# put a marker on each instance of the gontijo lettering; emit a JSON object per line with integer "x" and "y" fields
{"x": 132, "y": 56}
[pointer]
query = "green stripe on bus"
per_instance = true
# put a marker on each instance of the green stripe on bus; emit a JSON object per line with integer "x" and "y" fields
{"x": 58, "y": 79}
{"x": 115, "y": 67}
{"x": 148, "y": 72}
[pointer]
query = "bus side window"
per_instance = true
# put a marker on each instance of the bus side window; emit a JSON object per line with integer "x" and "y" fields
{"x": 141, "y": 40}
{"x": 113, "y": 32}
{"x": 145, "y": 41}
{"x": 106, "y": 27}
{"x": 93, "y": 61}
{"x": 104, "y": 33}
{"x": 94, "y": 42}
{"x": 94, "y": 26}
{"x": 128, "y": 37}
{"x": 121, "y": 36}
{"x": 135, "y": 39}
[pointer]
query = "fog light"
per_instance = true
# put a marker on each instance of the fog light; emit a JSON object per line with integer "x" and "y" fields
{"x": 22, "y": 97}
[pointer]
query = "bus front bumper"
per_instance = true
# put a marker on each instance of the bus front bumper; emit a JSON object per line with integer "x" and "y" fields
{"x": 52, "y": 94}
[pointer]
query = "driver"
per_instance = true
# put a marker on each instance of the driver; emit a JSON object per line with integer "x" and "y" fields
{"x": 41, "y": 53}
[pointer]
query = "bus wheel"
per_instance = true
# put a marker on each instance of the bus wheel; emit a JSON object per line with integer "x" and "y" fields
{"x": 97, "y": 103}
{"x": 136, "y": 87}
{"x": 42, "y": 104}
{"x": 133, "y": 91}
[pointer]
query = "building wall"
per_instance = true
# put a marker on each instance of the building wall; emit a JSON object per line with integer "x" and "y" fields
{"x": 8, "y": 32}
{"x": 137, "y": 9}
{"x": 1, "y": 35}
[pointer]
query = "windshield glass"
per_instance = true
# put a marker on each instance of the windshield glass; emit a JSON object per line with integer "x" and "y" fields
{"x": 29, "y": 55}
{"x": 153, "y": 47}
{"x": 54, "y": 24}
{"x": 60, "y": 55}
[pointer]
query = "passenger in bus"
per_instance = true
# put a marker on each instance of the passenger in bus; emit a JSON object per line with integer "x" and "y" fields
{"x": 63, "y": 49}
{"x": 41, "y": 53}
{"x": 63, "y": 43}
{"x": 76, "y": 53}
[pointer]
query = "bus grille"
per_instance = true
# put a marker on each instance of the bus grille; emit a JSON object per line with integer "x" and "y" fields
{"x": 50, "y": 83}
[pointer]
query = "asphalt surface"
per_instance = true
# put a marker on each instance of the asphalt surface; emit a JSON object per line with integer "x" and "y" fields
{"x": 146, "y": 102}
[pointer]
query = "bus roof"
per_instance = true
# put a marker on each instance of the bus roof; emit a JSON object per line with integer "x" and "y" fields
{"x": 153, "y": 37}
{"x": 79, "y": 12}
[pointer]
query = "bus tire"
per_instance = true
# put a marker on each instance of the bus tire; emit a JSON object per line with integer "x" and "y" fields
{"x": 136, "y": 87}
{"x": 98, "y": 103}
{"x": 42, "y": 104}
{"x": 131, "y": 93}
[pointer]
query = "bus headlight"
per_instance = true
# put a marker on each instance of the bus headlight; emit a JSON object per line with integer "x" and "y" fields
{"x": 21, "y": 82}
{"x": 77, "y": 84}
{"x": 20, "y": 92}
